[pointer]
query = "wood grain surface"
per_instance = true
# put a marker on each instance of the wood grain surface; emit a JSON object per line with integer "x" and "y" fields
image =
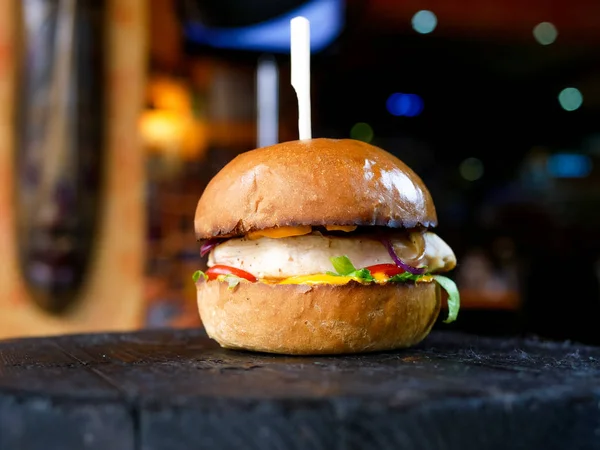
{"x": 157, "y": 390}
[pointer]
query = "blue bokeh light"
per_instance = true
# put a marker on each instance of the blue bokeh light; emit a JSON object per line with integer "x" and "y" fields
{"x": 424, "y": 22}
{"x": 326, "y": 23}
{"x": 407, "y": 105}
{"x": 569, "y": 165}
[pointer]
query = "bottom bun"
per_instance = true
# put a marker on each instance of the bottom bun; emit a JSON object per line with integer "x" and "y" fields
{"x": 320, "y": 319}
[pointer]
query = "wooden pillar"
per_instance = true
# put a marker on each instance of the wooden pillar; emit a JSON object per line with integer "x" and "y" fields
{"x": 112, "y": 295}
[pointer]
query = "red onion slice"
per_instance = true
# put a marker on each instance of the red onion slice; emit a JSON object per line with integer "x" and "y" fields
{"x": 414, "y": 270}
{"x": 208, "y": 246}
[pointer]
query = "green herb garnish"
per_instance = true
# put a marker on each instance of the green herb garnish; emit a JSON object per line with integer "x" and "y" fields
{"x": 197, "y": 274}
{"x": 344, "y": 268}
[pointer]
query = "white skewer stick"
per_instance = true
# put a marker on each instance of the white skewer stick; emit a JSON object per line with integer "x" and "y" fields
{"x": 300, "y": 55}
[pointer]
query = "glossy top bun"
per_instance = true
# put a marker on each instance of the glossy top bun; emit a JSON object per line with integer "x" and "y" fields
{"x": 313, "y": 182}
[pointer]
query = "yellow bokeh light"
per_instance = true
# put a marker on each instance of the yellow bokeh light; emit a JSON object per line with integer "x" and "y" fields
{"x": 170, "y": 126}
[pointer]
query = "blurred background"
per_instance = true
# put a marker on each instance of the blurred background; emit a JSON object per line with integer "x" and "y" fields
{"x": 115, "y": 114}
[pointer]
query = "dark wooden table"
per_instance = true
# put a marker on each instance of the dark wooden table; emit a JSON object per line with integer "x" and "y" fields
{"x": 160, "y": 390}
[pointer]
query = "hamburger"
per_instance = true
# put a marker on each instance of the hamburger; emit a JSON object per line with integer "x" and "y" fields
{"x": 320, "y": 246}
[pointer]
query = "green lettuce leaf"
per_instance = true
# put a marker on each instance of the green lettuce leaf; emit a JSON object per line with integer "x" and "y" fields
{"x": 453, "y": 296}
{"x": 342, "y": 265}
{"x": 344, "y": 268}
{"x": 197, "y": 274}
{"x": 231, "y": 280}
{"x": 402, "y": 277}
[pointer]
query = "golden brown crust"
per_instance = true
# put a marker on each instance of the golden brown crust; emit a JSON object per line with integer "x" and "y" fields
{"x": 321, "y": 319}
{"x": 315, "y": 182}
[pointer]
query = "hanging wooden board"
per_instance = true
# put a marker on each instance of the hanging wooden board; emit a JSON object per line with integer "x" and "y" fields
{"x": 111, "y": 296}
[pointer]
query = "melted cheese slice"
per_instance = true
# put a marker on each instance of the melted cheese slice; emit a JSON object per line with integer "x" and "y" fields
{"x": 346, "y": 228}
{"x": 283, "y": 232}
{"x": 279, "y": 233}
{"x": 323, "y": 278}
{"x": 278, "y": 259}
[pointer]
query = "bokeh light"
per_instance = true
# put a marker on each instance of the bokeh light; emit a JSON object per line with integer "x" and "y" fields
{"x": 362, "y": 131}
{"x": 471, "y": 169}
{"x": 407, "y": 105}
{"x": 569, "y": 165}
{"x": 545, "y": 33}
{"x": 424, "y": 21}
{"x": 570, "y": 99}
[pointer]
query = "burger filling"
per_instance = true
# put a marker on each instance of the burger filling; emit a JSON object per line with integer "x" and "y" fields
{"x": 300, "y": 255}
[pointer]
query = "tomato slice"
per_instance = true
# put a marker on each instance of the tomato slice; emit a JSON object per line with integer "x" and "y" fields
{"x": 219, "y": 269}
{"x": 387, "y": 269}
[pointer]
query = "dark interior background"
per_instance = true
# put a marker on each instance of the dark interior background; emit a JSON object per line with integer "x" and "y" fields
{"x": 523, "y": 222}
